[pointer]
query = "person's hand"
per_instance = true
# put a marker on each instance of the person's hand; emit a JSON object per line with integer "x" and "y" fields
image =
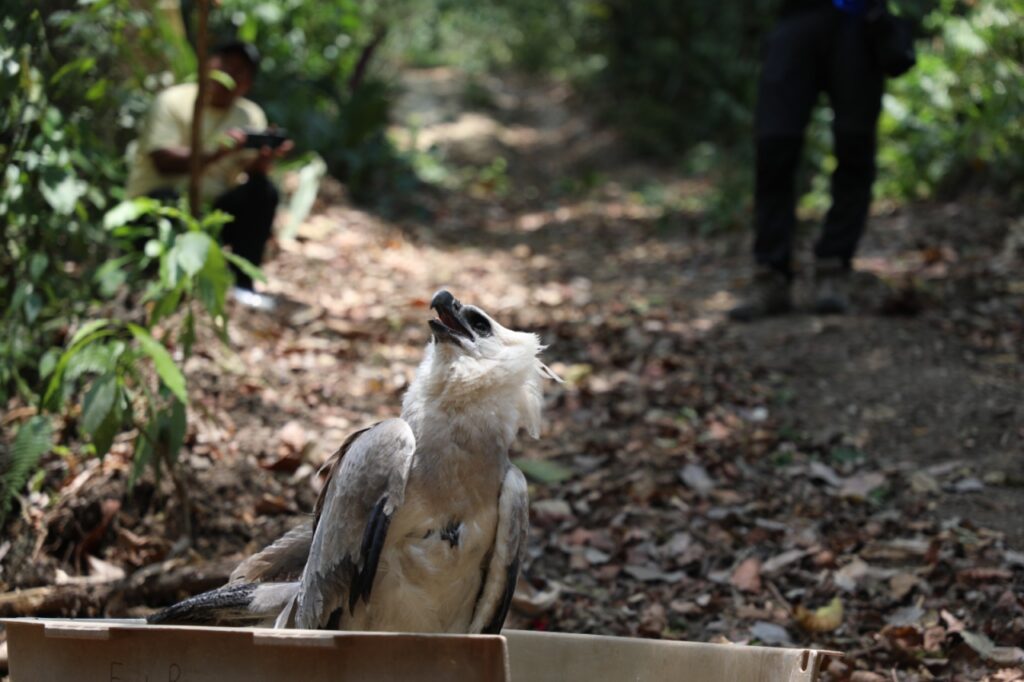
{"x": 235, "y": 138}
{"x": 231, "y": 141}
{"x": 267, "y": 155}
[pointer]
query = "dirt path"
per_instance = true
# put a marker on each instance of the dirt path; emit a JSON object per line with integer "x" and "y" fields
{"x": 712, "y": 480}
{"x": 922, "y": 391}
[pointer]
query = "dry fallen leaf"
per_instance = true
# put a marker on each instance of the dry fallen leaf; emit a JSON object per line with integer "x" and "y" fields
{"x": 653, "y": 620}
{"x": 934, "y": 638}
{"x": 747, "y": 576}
{"x": 865, "y": 676}
{"x": 986, "y": 648}
{"x": 908, "y": 615}
{"x": 824, "y": 472}
{"x": 770, "y": 633}
{"x": 697, "y": 479}
{"x": 953, "y": 624}
{"x": 650, "y": 574}
{"x": 983, "y": 575}
{"x": 824, "y": 619}
{"x": 273, "y": 504}
{"x": 860, "y": 486}
{"x": 901, "y": 584}
{"x": 293, "y": 436}
{"x": 848, "y": 577}
{"x": 780, "y": 561}
{"x": 655, "y": 380}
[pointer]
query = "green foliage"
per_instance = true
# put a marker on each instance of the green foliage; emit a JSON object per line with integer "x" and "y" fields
{"x": 678, "y": 78}
{"x": 677, "y": 73}
{"x": 34, "y": 439}
{"x": 67, "y": 114}
{"x": 686, "y": 72}
{"x": 324, "y": 55}
{"x": 112, "y": 358}
{"x": 957, "y": 120}
{"x": 531, "y": 36}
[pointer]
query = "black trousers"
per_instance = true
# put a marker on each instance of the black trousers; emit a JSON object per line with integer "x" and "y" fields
{"x": 252, "y": 206}
{"x": 809, "y": 52}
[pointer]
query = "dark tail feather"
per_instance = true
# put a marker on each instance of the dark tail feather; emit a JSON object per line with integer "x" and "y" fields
{"x": 228, "y": 604}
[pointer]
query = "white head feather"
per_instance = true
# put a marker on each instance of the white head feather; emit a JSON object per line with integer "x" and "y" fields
{"x": 486, "y": 383}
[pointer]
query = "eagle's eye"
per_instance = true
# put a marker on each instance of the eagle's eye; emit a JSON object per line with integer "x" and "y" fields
{"x": 478, "y": 322}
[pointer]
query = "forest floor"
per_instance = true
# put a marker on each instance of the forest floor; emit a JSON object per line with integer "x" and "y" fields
{"x": 851, "y": 483}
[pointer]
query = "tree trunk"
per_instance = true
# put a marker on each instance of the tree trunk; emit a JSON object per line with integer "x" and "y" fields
{"x": 359, "y": 72}
{"x": 196, "y": 165}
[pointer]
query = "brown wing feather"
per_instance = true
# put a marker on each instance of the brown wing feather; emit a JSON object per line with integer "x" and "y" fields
{"x": 285, "y": 558}
{"x": 330, "y": 467}
{"x": 366, "y": 486}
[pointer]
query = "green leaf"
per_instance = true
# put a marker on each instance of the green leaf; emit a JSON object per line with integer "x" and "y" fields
{"x": 143, "y": 452}
{"x": 543, "y": 470}
{"x": 170, "y": 271}
{"x": 166, "y": 305}
{"x": 213, "y": 222}
{"x": 33, "y": 306}
{"x": 48, "y": 362}
{"x": 111, "y": 276}
{"x": 213, "y": 282}
{"x": 81, "y": 66}
{"x": 169, "y": 373}
{"x": 187, "y": 337}
{"x": 305, "y": 195}
{"x": 34, "y": 439}
{"x": 97, "y": 358}
{"x": 63, "y": 196}
{"x": 20, "y": 294}
{"x": 245, "y": 266}
{"x": 222, "y": 77}
{"x": 96, "y": 91}
{"x": 103, "y": 436}
{"x": 153, "y": 248}
{"x": 89, "y": 332}
{"x": 191, "y": 251}
{"x": 37, "y": 265}
{"x": 128, "y": 211}
{"x": 176, "y": 426}
{"x": 86, "y": 329}
{"x": 98, "y": 403}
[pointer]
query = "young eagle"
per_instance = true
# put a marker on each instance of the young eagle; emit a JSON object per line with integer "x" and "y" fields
{"x": 422, "y": 523}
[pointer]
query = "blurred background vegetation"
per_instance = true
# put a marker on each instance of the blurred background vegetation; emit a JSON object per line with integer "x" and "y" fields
{"x": 676, "y": 79}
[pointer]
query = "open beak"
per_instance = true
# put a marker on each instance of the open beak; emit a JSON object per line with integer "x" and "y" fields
{"x": 449, "y": 325}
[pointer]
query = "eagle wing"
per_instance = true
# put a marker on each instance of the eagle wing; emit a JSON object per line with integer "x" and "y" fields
{"x": 285, "y": 558}
{"x": 502, "y": 571}
{"x": 281, "y": 561}
{"x": 366, "y": 485}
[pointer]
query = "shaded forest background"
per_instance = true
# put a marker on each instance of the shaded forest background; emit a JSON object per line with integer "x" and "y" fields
{"x": 95, "y": 335}
{"x": 676, "y": 80}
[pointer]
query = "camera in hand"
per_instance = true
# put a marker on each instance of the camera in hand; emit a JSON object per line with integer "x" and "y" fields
{"x": 257, "y": 139}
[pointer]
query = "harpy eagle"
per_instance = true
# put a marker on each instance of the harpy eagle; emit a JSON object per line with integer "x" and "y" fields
{"x": 422, "y": 523}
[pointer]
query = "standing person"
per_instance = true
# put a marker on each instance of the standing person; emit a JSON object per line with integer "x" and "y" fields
{"x": 816, "y": 46}
{"x": 234, "y": 178}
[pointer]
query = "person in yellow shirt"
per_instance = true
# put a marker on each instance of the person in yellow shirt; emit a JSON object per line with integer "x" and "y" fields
{"x": 234, "y": 177}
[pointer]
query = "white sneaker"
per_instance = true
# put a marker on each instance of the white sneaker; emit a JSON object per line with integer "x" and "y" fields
{"x": 251, "y": 299}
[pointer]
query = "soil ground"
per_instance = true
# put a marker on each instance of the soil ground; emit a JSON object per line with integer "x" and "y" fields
{"x": 713, "y": 480}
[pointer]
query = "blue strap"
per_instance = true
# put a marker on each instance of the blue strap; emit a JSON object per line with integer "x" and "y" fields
{"x": 857, "y": 7}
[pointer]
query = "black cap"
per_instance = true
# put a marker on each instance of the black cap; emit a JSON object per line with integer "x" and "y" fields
{"x": 246, "y": 51}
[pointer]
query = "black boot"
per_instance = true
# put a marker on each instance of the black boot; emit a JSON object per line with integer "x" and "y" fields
{"x": 767, "y": 294}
